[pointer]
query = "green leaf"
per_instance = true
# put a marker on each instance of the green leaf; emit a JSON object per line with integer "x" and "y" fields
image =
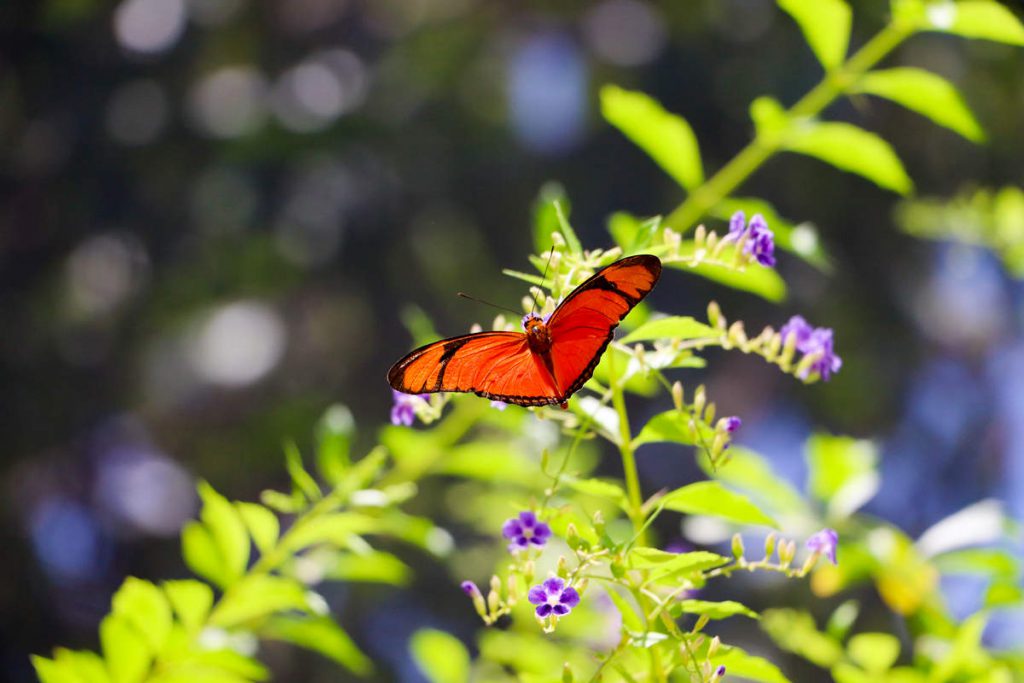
{"x": 336, "y": 529}
{"x": 301, "y": 479}
{"x": 144, "y": 606}
{"x": 256, "y": 596}
{"x": 545, "y": 218}
{"x": 191, "y": 601}
{"x": 226, "y": 529}
{"x": 752, "y": 474}
{"x": 124, "y": 649}
{"x": 874, "y": 652}
{"x": 631, "y": 619}
{"x": 375, "y": 567}
{"x": 87, "y": 667}
{"x": 841, "y": 472}
{"x": 983, "y": 561}
{"x": 666, "y": 562}
{"x": 201, "y": 554}
{"x": 674, "y": 327}
{"x": 631, "y": 233}
{"x": 927, "y": 94}
{"x": 672, "y": 426}
{"x": 599, "y": 489}
{"x": 667, "y": 138}
{"x": 322, "y": 635}
{"x": 743, "y": 665}
{"x": 984, "y": 19}
{"x": 50, "y": 671}
{"x": 852, "y": 149}
{"x": 764, "y": 282}
{"x": 230, "y": 662}
{"x": 572, "y": 242}
{"x": 261, "y": 523}
{"x": 712, "y": 499}
{"x": 497, "y": 461}
{"x": 794, "y": 631}
{"x": 825, "y": 25}
{"x": 716, "y": 610}
{"x": 335, "y": 431}
{"x": 440, "y": 656}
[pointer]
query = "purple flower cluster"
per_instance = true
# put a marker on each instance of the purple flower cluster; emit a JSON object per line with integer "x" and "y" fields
{"x": 813, "y": 341}
{"x": 553, "y": 597}
{"x": 824, "y": 543}
{"x": 760, "y": 239}
{"x": 524, "y": 531}
{"x": 732, "y": 424}
{"x": 403, "y": 412}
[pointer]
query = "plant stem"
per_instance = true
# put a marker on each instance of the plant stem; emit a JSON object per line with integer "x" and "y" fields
{"x": 761, "y": 148}
{"x": 626, "y": 450}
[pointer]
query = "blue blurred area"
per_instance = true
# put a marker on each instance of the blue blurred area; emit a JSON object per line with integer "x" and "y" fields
{"x": 215, "y": 211}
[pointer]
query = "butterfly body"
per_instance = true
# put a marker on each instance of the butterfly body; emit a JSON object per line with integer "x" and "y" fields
{"x": 547, "y": 362}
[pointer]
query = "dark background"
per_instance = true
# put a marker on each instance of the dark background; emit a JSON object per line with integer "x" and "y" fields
{"x": 213, "y": 212}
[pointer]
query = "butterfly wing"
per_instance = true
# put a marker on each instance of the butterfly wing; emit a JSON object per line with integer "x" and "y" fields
{"x": 583, "y": 324}
{"x": 495, "y": 365}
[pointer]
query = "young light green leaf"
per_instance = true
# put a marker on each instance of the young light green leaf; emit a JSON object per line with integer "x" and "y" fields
{"x": 674, "y": 327}
{"x": 841, "y": 472}
{"x": 673, "y": 426}
{"x": 335, "y": 431}
{"x": 631, "y": 233}
{"x": 747, "y": 666}
{"x": 202, "y": 555}
{"x": 572, "y": 242}
{"x": 258, "y": 595}
{"x": 499, "y": 461}
{"x": 144, "y": 606}
{"x": 674, "y": 563}
{"x": 984, "y": 19}
{"x": 599, "y": 489}
{"x": 716, "y": 610}
{"x": 825, "y": 25}
{"x": 545, "y": 219}
{"x": 229, "y": 663}
{"x": 302, "y": 479}
{"x": 874, "y": 652}
{"x": 764, "y": 282}
{"x": 794, "y": 631}
{"x": 191, "y": 601}
{"x": 713, "y": 499}
{"x": 261, "y": 523}
{"x": 50, "y": 671}
{"x": 751, "y": 473}
{"x": 927, "y": 94}
{"x": 667, "y": 138}
{"x": 375, "y": 567}
{"x": 87, "y": 667}
{"x": 227, "y": 530}
{"x": 440, "y": 656}
{"x": 852, "y": 149}
{"x": 631, "y": 619}
{"x": 322, "y": 635}
{"x": 125, "y": 650}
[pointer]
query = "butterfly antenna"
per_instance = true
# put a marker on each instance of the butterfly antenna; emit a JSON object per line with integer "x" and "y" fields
{"x": 542, "y": 278}
{"x": 488, "y": 303}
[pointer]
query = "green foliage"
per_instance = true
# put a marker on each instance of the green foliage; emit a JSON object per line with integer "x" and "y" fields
{"x": 826, "y": 26}
{"x": 441, "y": 657}
{"x": 713, "y": 499}
{"x": 852, "y": 149}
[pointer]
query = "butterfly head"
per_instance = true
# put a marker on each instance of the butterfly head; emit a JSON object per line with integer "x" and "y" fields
{"x": 537, "y": 333}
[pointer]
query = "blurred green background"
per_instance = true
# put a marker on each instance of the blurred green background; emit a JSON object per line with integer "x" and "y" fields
{"x": 215, "y": 212}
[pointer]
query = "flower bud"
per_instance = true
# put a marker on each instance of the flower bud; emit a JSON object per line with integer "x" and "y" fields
{"x": 557, "y": 240}
{"x": 709, "y": 413}
{"x": 712, "y": 242}
{"x": 737, "y": 546}
{"x": 528, "y": 571}
{"x": 715, "y": 315}
{"x": 738, "y": 335}
{"x": 699, "y": 399}
{"x": 566, "y": 673}
{"x": 803, "y": 368}
{"x": 493, "y": 601}
{"x": 563, "y": 567}
{"x": 598, "y": 523}
{"x": 470, "y": 589}
{"x": 699, "y": 235}
{"x": 677, "y": 395}
{"x": 513, "y": 588}
{"x": 774, "y": 344}
{"x": 788, "y": 349}
{"x": 572, "y": 536}
{"x": 713, "y": 646}
{"x": 769, "y": 545}
{"x": 719, "y": 672}
{"x": 787, "y": 549}
{"x": 702, "y": 621}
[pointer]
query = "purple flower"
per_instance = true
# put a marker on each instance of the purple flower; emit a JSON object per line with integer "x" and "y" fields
{"x": 470, "y": 589}
{"x": 732, "y": 424}
{"x": 824, "y": 543}
{"x": 525, "y": 530}
{"x": 403, "y": 411}
{"x": 720, "y": 671}
{"x": 554, "y": 597}
{"x": 813, "y": 340}
{"x": 760, "y": 239}
{"x": 499, "y": 405}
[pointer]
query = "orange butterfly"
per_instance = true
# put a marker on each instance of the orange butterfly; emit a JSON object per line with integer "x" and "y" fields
{"x": 548, "y": 362}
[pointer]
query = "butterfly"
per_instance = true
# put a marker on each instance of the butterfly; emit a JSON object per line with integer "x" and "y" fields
{"x": 547, "y": 362}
